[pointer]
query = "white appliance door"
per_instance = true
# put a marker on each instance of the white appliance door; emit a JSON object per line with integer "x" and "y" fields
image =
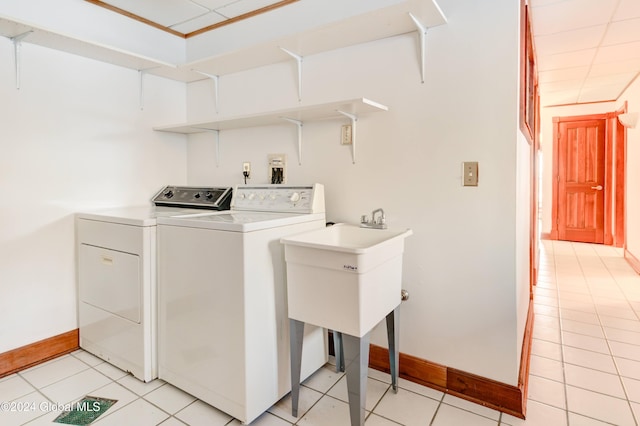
{"x": 110, "y": 280}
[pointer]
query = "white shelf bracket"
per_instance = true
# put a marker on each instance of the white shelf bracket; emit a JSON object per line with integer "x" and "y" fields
{"x": 354, "y": 120}
{"x": 216, "y": 81}
{"x": 141, "y": 74}
{"x": 298, "y": 123}
{"x": 16, "y": 54}
{"x": 422, "y": 31}
{"x": 141, "y": 84}
{"x": 298, "y": 59}
{"x": 217, "y": 132}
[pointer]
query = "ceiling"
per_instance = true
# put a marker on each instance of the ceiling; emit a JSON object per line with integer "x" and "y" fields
{"x": 187, "y": 18}
{"x": 586, "y": 50}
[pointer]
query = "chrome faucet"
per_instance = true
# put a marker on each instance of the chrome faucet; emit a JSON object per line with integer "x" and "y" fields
{"x": 377, "y": 223}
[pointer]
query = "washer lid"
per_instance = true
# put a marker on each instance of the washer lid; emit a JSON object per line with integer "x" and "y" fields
{"x": 240, "y": 221}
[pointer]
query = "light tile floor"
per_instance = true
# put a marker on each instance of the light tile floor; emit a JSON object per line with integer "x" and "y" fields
{"x": 585, "y": 368}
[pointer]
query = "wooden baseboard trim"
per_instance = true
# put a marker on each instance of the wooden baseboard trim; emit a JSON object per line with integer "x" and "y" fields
{"x": 481, "y": 390}
{"x": 632, "y": 260}
{"x": 35, "y": 353}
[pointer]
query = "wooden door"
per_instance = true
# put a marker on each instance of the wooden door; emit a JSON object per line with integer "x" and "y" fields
{"x": 580, "y": 180}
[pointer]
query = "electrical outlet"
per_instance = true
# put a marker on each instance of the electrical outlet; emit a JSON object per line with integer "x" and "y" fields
{"x": 246, "y": 169}
{"x": 470, "y": 173}
{"x": 277, "y": 168}
{"x": 347, "y": 135}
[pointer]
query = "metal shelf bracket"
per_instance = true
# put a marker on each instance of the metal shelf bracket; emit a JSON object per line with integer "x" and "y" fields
{"x": 298, "y": 59}
{"x": 216, "y": 82}
{"x": 217, "y": 132}
{"x": 422, "y": 31}
{"x": 16, "y": 53}
{"x": 142, "y": 73}
{"x": 298, "y": 123}
{"x": 354, "y": 120}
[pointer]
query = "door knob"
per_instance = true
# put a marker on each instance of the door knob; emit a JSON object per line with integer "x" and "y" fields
{"x": 598, "y": 188}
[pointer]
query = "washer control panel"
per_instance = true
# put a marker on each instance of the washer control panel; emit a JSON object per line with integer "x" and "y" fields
{"x": 194, "y": 197}
{"x": 279, "y": 198}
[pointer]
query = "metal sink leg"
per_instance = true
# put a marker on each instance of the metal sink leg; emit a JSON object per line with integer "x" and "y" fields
{"x": 393, "y": 337}
{"x": 356, "y": 356}
{"x": 296, "y": 335}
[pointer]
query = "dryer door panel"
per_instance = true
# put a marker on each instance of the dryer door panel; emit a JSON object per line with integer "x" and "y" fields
{"x": 110, "y": 280}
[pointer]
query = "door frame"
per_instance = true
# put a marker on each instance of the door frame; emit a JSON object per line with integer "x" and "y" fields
{"x": 615, "y": 136}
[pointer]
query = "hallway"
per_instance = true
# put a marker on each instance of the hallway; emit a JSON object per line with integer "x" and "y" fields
{"x": 585, "y": 363}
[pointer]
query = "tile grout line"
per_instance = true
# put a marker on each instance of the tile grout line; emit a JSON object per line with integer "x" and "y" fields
{"x": 615, "y": 363}
{"x": 564, "y": 374}
{"x": 624, "y": 390}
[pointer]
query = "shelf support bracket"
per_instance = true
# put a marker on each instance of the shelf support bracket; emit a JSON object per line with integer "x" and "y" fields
{"x": 298, "y": 123}
{"x": 216, "y": 81}
{"x": 298, "y": 59}
{"x": 354, "y": 120}
{"x": 16, "y": 40}
{"x": 141, "y": 74}
{"x": 217, "y": 133}
{"x": 422, "y": 31}
{"x": 141, "y": 88}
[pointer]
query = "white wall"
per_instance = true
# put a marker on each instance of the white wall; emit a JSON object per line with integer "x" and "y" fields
{"x": 632, "y": 238}
{"x": 73, "y": 138}
{"x": 465, "y": 264}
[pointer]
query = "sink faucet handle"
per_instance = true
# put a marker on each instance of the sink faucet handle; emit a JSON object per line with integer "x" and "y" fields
{"x": 364, "y": 219}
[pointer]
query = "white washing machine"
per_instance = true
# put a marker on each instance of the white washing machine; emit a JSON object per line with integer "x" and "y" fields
{"x": 116, "y": 272}
{"x": 222, "y": 299}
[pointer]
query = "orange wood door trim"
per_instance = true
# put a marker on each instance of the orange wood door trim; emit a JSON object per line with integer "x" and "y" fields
{"x": 35, "y": 353}
{"x": 620, "y": 185}
{"x": 632, "y": 260}
{"x": 481, "y": 390}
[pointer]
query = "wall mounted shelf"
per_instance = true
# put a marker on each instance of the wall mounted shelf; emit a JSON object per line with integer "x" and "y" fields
{"x": 381, "y": 23}
{"x": 351, "y": 108}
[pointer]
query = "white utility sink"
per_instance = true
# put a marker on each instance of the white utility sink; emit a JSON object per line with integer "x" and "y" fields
{"x": 344, "y": 277}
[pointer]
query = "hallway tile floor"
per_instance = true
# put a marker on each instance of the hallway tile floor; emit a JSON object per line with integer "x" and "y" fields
{"x": 585, "y": 368}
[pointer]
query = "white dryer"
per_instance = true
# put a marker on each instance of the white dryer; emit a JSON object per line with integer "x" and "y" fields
{"x": 222, "y": 299}
{"x": 116, "y": 272}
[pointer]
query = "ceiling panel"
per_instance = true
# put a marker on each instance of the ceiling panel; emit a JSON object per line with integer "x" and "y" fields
{"x": 627, "y": 9}
{"x": 618, "y": 53}
{"x": 561, "y": 16}
{"x": 238, "y": 8}
{"x": 570, "y": 41}
{"x": 202, "y": 21}
{"x": 163, "y": 12}
{"x": 587, "y": 50}
{"x": 630, "y": 66}
{"x": 622, "y": 32}
{"x": 566, "y": 60}
{"x": 575, "y": 73}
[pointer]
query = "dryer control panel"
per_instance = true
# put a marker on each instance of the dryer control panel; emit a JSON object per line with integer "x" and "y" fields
{"x": 279, "y": 198}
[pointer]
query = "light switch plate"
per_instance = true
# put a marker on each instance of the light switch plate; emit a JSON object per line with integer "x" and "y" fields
{"x": 470, "y": 173}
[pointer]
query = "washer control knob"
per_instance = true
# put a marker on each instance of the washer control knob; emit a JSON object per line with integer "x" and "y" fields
{"x": 209, "y": 195}
{"x": 294, "y": 197}
{"x": 251, "y": 196}
{"x": 168, "y": 194}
